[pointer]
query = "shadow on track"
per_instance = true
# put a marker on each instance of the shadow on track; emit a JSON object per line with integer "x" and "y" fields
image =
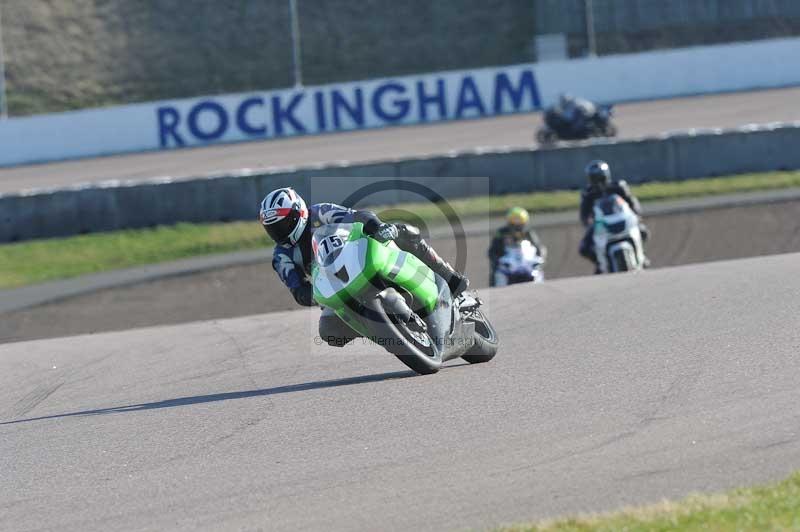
{"x": 212, "y": 398}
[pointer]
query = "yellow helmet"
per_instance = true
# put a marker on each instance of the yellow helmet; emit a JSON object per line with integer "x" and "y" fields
{"x": 518, "y": 216}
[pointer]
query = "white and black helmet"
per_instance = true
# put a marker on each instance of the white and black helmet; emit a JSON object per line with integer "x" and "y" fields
{"x": 598, "y": 173}
{"x": 284, "y": 215}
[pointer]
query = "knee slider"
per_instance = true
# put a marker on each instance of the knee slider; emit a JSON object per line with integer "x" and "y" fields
{"x": 333, "y": 331}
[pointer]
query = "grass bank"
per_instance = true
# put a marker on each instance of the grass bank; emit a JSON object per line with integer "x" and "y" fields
{"x": 37, "y": 261}
{"x": 771, "y": 507}
{"x": 560, "y": 200}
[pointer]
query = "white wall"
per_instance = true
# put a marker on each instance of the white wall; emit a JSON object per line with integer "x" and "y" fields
{"x": 406, "y": 100}
{"x": 669, "y": 73}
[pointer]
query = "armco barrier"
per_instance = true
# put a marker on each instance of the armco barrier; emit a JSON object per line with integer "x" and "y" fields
{"x": 637, "y": 160}
{"x": 741, "y": 151}
{"x": 117, "y": 205}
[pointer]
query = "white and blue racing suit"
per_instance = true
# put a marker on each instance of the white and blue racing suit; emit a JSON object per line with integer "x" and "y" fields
{"x": 293, "y": 262}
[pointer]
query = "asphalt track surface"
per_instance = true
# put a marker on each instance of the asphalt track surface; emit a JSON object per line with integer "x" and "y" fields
{"x": 679, "y": 238}
{"x": 634, "y": 120}
{"x": 607, "y": 391}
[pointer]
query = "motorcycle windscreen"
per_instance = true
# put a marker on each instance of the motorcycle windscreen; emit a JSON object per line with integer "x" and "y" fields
{"x": 610, "y": 205}
{"x": 520, "y": 256}
{"x": 613, "y": 214}
{"x": 328, "y": 242}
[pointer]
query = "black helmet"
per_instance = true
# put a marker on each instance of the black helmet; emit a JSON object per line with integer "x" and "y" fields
{"x": 598, "y": 173}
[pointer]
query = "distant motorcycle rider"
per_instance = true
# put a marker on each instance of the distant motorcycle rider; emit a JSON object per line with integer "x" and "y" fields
{"x": 576, "y": 112}
{"x": 515, "y": 231}
{"x": 600, "y": 184}
{"x": 290, "y": 224}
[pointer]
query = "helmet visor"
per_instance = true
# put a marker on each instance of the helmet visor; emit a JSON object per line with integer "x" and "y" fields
{"x": 281, "y": 230}
{"x": 598, "y": 177}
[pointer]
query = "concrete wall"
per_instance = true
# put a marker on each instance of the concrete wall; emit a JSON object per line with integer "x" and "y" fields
{"x": 71, "y": 54}
{"x": 113, "y": 205}
{"x": 387, "y": 102}
{"x": 74, "y": 54}
{"x": 635, "y": 16}
{"x": 630, "y": 26}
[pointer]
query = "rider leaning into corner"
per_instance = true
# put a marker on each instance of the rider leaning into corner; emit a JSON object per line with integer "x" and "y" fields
{"x": 289, "y": 223}
{"x": 516, "y": 230}
{"x": 600, "y": 184}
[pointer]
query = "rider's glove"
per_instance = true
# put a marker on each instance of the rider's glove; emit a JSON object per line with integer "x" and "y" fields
{"x": 386, "y": 232}
{"x": 304, "y": 295}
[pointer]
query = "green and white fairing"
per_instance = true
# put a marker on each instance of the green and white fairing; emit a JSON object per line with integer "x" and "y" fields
{"x": 347, "y": 261}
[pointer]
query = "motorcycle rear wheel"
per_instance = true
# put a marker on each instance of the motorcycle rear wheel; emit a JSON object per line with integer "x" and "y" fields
{"x": 610, "y": 130}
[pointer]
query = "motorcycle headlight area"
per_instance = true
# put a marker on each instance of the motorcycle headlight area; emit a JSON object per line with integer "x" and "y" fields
{"x": 617, "y": 227}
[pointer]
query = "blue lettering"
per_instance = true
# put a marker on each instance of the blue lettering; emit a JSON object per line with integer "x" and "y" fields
{"x": 355, "y": 110}
{"x": 194, "y": 116}
{"x": 469, "y": 98}
{"x": 438, "y": 98}
{"x": 401, "y": 106}
{"x": 527, "y": 83}
{"x": 168, "y": 120}
{"x": 322, "y": 121}
{"x": 280, "y": 114}
{"x": 241, "y": 117}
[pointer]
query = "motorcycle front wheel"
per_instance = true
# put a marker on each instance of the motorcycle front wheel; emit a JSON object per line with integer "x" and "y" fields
{"x": 414, "y": 348}
{"x": 485, "y": 339}
{"x": 546, "y": 137}
{"x": 624, "y": 260}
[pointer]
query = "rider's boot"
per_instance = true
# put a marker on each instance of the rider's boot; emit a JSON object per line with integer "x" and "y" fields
{"x": 586, "y": 251}
{"x": 457, "y": 282}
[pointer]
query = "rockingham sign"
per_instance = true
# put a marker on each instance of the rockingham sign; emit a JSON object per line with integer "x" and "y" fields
{"x": 349, "y": 106}
{"x": 417, "y": 99}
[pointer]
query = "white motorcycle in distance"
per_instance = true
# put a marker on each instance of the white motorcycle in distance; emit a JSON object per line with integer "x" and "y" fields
{"x": 521, "y": 263}
{"x": 617, "y": 238}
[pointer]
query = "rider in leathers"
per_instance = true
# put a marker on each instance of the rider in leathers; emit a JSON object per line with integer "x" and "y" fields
{"x": 290, "y": 224}
{"x": 598, "y": 175}
{"x": 576, "y": 112}
{"x": 515, "y": 231}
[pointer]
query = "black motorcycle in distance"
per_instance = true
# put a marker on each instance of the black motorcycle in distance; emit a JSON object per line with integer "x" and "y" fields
{"x": 556, "y": 128}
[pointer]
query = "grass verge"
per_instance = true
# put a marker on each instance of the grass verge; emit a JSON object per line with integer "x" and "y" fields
{"x": 560, "y": 200}
{"x": 37, "y": 261}
{"x": 771, "y": 507}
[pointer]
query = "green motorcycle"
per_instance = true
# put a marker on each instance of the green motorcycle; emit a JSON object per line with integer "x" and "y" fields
{"x": 391, "y": 297}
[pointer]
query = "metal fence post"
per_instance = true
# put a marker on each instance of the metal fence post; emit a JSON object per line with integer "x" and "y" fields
{"x": 296, "y": 59}
{"x": 3, "y": 102}
{"x": 590, "y": 35}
